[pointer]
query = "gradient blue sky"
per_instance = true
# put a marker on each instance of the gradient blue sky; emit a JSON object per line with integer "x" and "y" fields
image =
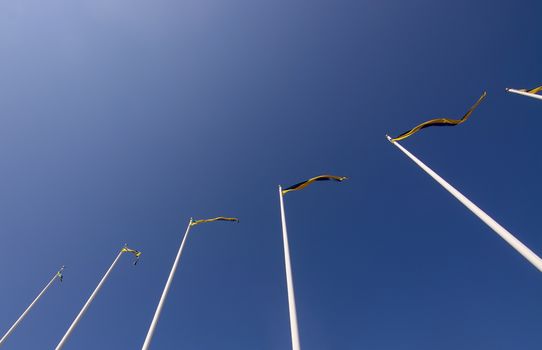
{"x": 121, "y": 119}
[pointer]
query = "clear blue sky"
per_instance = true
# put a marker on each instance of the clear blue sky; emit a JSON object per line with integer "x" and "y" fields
{"x": 121, "y": 119}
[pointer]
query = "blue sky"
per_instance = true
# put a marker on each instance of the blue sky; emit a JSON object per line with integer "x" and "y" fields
{"x": 122, "y": 119}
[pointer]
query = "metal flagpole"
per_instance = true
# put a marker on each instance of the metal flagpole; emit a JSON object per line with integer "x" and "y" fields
{"x": 87, "y": 304}
{"x": 501, "y": 231}
{"x": 152, "y": 327}
{"x": 524, "y": 93}
{"x": 289, "y": 279}
{"x": 8, "y": 333}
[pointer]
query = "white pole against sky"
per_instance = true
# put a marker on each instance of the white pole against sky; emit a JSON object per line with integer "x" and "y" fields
{"x": 524, "y": 93}
{"x": 152, "y": 327}
{"x": 8, "y": 333}
{"x": 501, "y": 231}
{"x": 289, "y": 279}
{"x": 87, "y": 304}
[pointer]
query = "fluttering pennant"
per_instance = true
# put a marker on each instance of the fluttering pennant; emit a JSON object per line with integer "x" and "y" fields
{"x": 440, "y": 121}
{"x": 136, "y": 253}
{"x": 220, "y": 218}
{"x": 304, "y": 184}
{"x": 60, "y": 276}
{"x": 532, "y": 91}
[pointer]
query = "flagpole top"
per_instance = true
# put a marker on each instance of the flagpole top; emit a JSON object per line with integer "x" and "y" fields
{"x": 389, "y": 138}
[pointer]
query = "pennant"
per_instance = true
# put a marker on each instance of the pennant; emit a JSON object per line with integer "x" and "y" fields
{"x": 532, "y": 91}
{"x": 220, "y": 218}
{"x": 136, "y": 253}
{"x": 304, "y": 184}
{"x": 440, "y": 121}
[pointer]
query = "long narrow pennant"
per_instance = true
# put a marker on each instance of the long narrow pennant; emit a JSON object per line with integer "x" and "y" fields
{"x": 136, "y": 253}
{"x": 440, "y": 121}
{"x": 532, "y": 91}
{"x": 220, "y": 218}
{"x": 302, "y": 185}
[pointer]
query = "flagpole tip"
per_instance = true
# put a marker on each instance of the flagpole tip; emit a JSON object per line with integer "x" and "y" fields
{"x": 388, "y": 137}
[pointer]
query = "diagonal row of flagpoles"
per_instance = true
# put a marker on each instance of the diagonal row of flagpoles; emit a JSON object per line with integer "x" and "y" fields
{"x": 521, "y": 248}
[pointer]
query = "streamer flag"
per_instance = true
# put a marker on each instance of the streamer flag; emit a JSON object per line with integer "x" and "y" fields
{"x": 136, "y": 253}
{"x": 304, "y": 184}
{"x": 60, "y": 276}
{"x": 220, "y": 218}
{"x": 532, "y": 91}
{"x": 440, "y": 121}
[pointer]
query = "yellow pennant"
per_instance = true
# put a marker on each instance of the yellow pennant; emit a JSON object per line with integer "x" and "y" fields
{"x": 533, "y": 91}
{"x": 136, "y": 253}
{"x": 440, "y": 121}
{"x": 60, "y": 275}
{"x": 302, "y": 185}
{"x": 220, "y": 218}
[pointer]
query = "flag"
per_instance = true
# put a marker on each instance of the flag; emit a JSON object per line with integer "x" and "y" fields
{"x": 440, "y": 121}
{"x": 136, "y": 253}
{"x": 304, "y": 184}
{"x": 532, "y": 91}
{"x": 220, "y": 218}
{"x": 60, "y": 276}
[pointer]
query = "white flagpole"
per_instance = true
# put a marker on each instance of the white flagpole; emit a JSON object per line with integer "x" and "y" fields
{"x": 158, "y": 311}
{"x": 87, "y": 304}
{"x": 8, "y": 333}
{"x": 501, "y": 231}
{"x": 289, "y": 279}
{"x": 524, "y": 93}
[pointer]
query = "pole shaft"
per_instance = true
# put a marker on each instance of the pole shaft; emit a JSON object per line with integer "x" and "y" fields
{"x": 165, "y": 292}
{"x": 23, "y": 315}
{"x": 528, "y": 94}
{"x": 289, "y": 279}
{"x": 87, "y": 304}
{"x": 501, "y": 231}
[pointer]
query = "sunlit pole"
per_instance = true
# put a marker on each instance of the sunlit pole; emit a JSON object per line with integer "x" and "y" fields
{"x": 158, "y": 311}
{"x": 89, "y": 301}
{"x": 501, "y": 231}
{"x": 524, "y": 93}
{"x": 57, "y": 275}
{"x": 289, "y": 279}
